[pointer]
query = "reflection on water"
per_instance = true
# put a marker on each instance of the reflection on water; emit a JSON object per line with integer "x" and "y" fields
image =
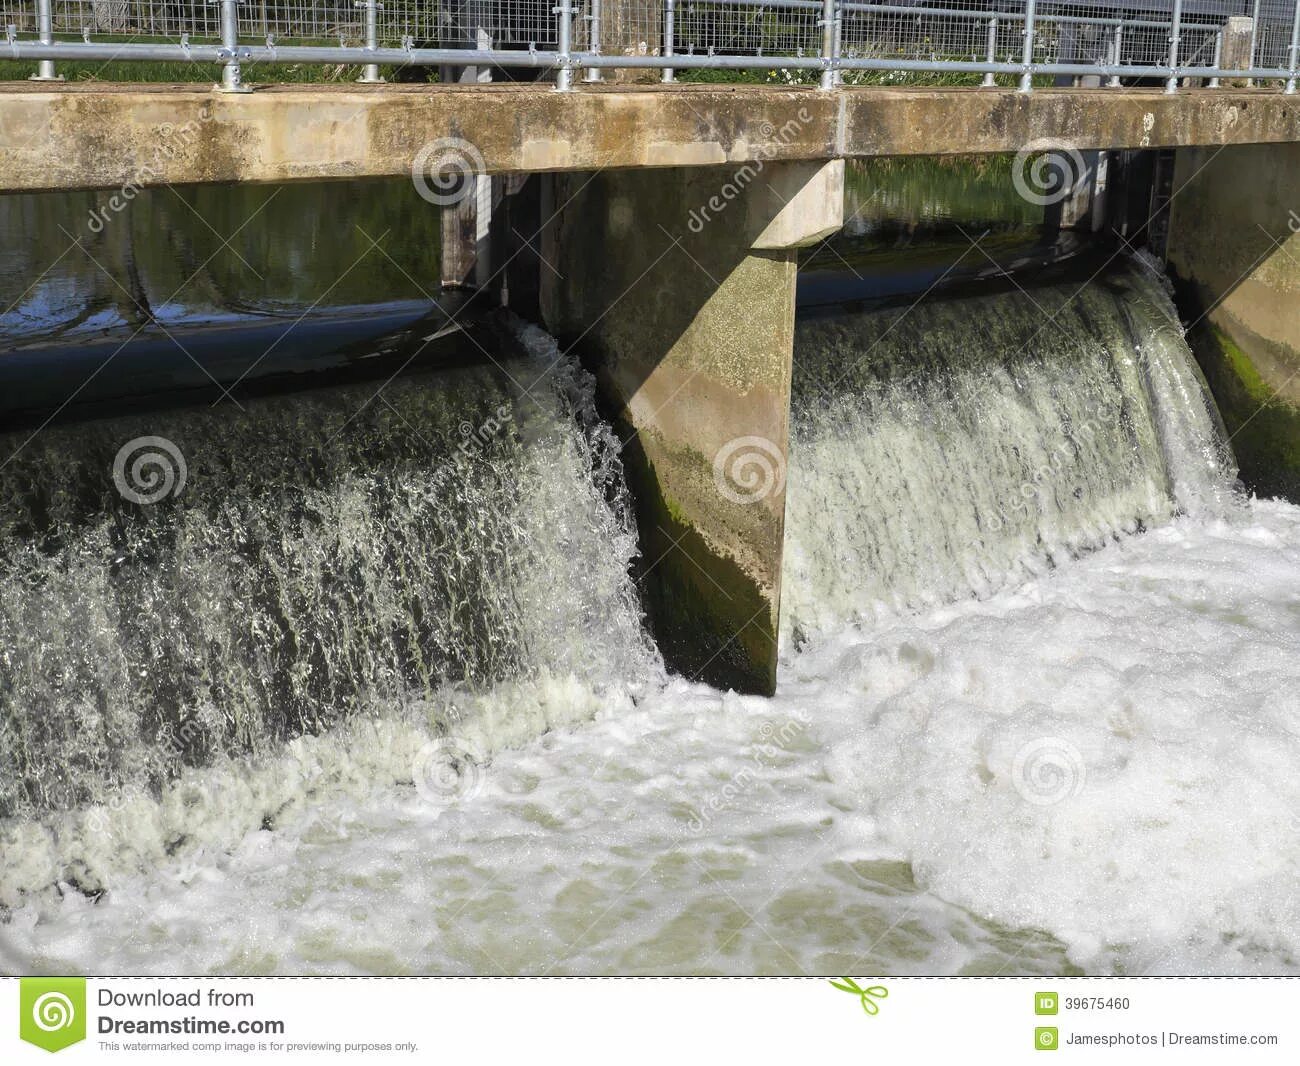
{"x": 175, "y": 288}
{"x": 73, "y": 266}
{"x": 924, "y": 194}
{"x": 912, "y": 223}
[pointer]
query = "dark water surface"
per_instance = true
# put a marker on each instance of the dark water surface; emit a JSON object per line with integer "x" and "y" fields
{"x": 187, "y": 287}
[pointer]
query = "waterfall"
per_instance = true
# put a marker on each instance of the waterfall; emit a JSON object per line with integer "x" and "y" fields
{"x": 210, "y": 617}
{"x": 946, "y": 448}
{"x": 350, "y": 568}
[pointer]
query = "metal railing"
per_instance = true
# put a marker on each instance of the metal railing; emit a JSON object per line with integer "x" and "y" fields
{"x": 826, "y": 41}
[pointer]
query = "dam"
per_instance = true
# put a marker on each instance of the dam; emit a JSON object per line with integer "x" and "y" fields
{"x": 712, "y": 528}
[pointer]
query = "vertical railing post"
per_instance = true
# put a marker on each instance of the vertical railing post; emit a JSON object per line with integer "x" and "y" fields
{"x": 1117, "y": 50}
{"x": 45, "y": 28}
{"x": 1175, "y": 33}
{"x": 1213, "y": 83}
{"x": 670, "y": 22}
{"x": 593, "y": 40}
{"x": 370, "y": 72}
{"x": 830, "y": 13}
{"x": 839, "y": 45}
{"x": 232, "y": 80}
{"x": 564, "y": 76}
{"x": 1027, "y": 57}
{"x": 1294, "y": 65}
{"x": 1254, "y": 41}
{"x": 992, "y": 54}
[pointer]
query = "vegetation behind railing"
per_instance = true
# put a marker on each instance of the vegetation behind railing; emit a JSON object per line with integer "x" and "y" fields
{"x": 829, "y": 42}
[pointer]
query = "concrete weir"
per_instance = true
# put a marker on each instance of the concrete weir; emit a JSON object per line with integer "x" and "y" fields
{"x": 677, "y": 288}
{"x": 1234, "y": 250}
{"x": 668, "y": 258}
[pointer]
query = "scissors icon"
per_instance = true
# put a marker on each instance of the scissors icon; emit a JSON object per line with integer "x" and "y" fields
{"x": 867, "y": 996}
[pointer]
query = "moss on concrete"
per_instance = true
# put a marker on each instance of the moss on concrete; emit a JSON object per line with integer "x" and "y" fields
{"x": 688, "y": 326}
{"x": 710, "y": 618}
{"x": 1264, "y": 428}
{"x": 1233, "y": 253}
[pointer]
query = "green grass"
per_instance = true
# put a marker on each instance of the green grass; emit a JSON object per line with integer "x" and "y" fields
{"x": 295, "y": 73}
{"x": 181, "y": 71}
{"x": 167, "y": 73}
{"x": 777, "y": 76}
{"x": 342, "y": 73}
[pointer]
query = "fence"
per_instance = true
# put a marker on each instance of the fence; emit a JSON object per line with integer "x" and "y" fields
{"x": 1168, "y": 40}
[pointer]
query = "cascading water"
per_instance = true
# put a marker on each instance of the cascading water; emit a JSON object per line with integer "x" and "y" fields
{"x": 995, "y": 752}
{"x": 954, "y": 447}
{"x": 335, "y": 557}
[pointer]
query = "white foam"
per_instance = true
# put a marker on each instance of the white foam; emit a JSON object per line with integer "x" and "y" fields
{"x": 928, "y": 464}
{"x": 702, "y": 831}
{"x": 994, "y": 753}
{"x": 463, "y": 584}
{"x": 1108, "y": 754}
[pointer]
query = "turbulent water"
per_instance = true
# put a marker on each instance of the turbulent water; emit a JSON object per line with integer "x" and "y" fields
{"x": 935, "y": 458}
{"x": 375, "y": 562}
{"x": 1016, "y": 737}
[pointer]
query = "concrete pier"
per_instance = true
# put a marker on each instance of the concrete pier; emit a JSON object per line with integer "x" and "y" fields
{"x": 677, "y": 288}
{"x": 1234, "y": 249}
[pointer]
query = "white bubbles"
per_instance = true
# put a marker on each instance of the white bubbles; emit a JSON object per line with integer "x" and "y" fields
{"x": 447, "y": 771}
{"x": 892, "y": 798}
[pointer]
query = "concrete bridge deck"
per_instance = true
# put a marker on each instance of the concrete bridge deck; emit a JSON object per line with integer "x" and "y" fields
{"x": 108, "y": 135}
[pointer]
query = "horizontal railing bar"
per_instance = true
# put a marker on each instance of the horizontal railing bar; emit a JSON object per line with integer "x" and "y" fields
{"x": 134, "y": 52}
{"x": 679, "y": 60}
{"x": 946, "y": 12}
{"x": 896, "y": 39}
{"x": 260, "y": 53}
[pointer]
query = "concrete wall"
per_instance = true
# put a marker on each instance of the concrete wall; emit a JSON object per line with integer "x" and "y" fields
{"x": 631, "y": 28}
{"x": 99, "y": 135}
{"x": 1234, "y": 250}
{"x": 677, "y": 288}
